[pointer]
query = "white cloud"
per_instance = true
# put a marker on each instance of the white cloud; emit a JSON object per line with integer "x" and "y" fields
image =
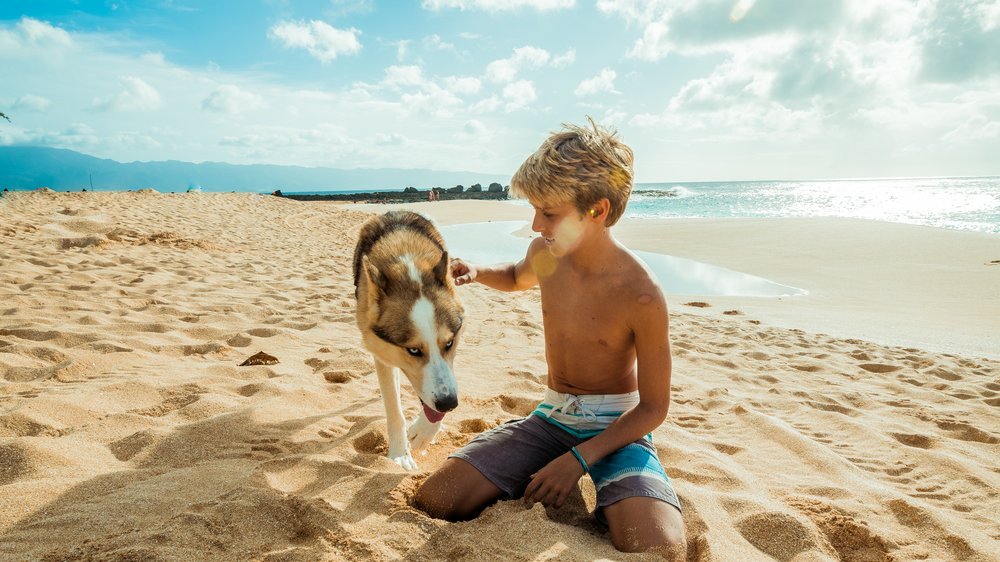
{"x": 40, "y": 34}
{"x": 30, "y": 102}
{"x": 396, "y": 76}
{"x": 401, "y": 49}
{"x": 463, "y": 85}
{"x": 475, "y": 129}
{"x": 519, "y": 95}
{"x": 565, "y": 59}
{"x": 390, "y": 139}
{"x": 506, "y": 70}
{"x": 498, "y": 5}
{"x": 323, "y": 41}
{"x": 138, "y": 95}
{"x": 603, "y": 82}
{"x": 231, "y": 99}
{"x": 435, "y": 43}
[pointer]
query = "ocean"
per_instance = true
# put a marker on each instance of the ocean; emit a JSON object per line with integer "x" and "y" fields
{"x": 955, "y": 203}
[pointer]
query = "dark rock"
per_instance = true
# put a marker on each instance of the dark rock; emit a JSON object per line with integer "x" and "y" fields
{"x": 260, "y": 358}
{"x": 277, "y": 193}
{"x": 495, "y": 188}
{"x": 456, "y": 189}
{"x": 411, "y": 189}
{"x": 476, "y": 188}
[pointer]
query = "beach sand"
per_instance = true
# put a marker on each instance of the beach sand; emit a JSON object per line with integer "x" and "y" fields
{"x": 859, "y": 422}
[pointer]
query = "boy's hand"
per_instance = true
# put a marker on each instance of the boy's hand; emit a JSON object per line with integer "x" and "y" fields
{"x": 463, "y": 272}
{"x": 552, "y": 484}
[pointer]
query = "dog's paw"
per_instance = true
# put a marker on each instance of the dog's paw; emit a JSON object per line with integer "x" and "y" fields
{"x": 421, "y": 433}
{"x": 405, "y": 460}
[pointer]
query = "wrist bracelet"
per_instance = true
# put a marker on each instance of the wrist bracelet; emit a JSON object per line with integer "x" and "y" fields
{"x": 579, "y": 457}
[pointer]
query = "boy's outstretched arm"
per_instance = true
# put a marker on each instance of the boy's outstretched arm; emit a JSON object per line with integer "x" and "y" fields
{"x": 502, "y": 276}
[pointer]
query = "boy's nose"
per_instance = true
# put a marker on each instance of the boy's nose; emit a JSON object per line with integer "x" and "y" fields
{"x": 536, "y": 225}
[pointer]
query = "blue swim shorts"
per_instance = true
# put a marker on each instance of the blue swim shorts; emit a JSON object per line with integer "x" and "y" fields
{"x": 509, "y": 454}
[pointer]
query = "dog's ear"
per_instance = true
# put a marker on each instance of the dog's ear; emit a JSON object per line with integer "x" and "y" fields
{"x": 375, "y": 278}
{"x": 441, "y": 269}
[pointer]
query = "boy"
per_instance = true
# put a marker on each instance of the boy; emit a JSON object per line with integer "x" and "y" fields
{"x": 608, "y": 356}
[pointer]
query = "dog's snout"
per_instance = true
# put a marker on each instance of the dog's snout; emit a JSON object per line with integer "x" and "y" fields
{"x": 446, "y": 403}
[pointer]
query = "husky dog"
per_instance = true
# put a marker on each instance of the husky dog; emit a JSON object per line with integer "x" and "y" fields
{"x": 410, "y": 318}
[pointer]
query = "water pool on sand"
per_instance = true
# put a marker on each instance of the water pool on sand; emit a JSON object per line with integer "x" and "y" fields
{"x": 495, "y": 242}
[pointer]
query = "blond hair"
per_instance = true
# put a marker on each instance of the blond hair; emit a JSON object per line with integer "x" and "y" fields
{"x": 581, "y": 165}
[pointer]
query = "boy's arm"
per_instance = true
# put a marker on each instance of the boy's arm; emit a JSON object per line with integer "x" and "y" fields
{"x": 503, "y": 276}
{"x": 552, "y": 484}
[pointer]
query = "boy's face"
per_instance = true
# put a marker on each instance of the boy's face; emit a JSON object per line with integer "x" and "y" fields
{"x": 561, "y": 226}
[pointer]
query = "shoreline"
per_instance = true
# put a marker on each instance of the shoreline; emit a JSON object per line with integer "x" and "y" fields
{"x": 890, "y": 283}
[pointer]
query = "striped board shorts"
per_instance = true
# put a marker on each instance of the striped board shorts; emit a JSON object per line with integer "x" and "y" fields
{"x": 509, "y": 454}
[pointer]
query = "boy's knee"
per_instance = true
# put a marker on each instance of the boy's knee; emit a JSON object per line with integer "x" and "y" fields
{"x": 438, "y": 501}
{"x": 428, "y": 500}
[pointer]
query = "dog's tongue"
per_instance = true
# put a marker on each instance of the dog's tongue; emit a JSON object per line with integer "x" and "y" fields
{"x": 433, "y": 415}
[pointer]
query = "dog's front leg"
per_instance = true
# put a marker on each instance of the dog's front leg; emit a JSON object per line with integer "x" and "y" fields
{"x": 399, "y": 446}
{"x": 422, "y": 432}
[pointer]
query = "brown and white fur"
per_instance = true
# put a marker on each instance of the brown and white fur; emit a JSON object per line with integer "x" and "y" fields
{"x": 410, "y": 319}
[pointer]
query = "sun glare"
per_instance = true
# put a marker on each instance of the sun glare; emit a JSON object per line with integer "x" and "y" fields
{"x": 740, "y": 10}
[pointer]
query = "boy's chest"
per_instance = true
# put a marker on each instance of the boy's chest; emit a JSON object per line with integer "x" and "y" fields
{"x": 577, "y": 313}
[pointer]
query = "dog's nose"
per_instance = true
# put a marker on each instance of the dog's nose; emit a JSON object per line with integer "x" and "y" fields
{"x": 446, "y": 403}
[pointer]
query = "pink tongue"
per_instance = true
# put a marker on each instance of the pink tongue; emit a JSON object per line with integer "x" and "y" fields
{"x": 433, "y": 415}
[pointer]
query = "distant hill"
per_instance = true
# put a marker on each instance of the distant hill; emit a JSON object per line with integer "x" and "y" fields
{"x": 31, "y": 167}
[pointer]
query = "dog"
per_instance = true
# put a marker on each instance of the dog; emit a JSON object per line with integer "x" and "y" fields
{"x": 410, "y": 319}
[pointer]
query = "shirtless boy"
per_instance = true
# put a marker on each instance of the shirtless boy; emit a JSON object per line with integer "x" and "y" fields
{"x": 608, "y": 356}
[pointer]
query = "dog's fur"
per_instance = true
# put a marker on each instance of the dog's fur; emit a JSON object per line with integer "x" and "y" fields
{"x": 410, "y": 318}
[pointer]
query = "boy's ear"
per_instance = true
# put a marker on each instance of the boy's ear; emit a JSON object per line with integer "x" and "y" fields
{"x": 600, "y": 209}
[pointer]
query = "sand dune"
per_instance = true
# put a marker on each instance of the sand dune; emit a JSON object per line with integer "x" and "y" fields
{"x": 129, "y": 432}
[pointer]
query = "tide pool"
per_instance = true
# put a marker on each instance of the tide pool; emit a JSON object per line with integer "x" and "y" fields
{"x": 495, "y": 242}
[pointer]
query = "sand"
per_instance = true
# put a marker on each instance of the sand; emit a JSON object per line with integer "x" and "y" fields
{"x": 859, "y": 422}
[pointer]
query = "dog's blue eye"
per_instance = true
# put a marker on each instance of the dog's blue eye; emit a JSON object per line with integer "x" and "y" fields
{"x": 414, "y": 351}
{"x": 448, "y": 345}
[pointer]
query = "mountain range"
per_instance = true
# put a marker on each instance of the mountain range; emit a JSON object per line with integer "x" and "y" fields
{"x": 31, "y": 167}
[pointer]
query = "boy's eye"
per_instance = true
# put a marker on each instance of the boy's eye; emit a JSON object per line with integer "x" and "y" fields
{"x": 415, "y": 351}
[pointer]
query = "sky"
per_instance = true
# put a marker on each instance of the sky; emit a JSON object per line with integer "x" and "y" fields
{"x": 702, "y": 90}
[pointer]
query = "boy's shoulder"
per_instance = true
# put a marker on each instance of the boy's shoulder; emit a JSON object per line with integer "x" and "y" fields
{"x": 633, "y": 277}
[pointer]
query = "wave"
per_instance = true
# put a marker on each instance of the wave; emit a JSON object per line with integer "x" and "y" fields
{"x": 677, "y": 191}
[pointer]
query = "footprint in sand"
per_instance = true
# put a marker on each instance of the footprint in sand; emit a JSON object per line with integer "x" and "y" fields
{"x": 847, "y": 534}
{"x": 966, "y": 432}
{"x": 914, "y": 440}
{"x": 338, "y": 377}
{"x": 474, "y": 425}
{"x": 698, "y": 304}
{"x": 519, "y": 406}
{"x": 372, "y": 442}
{"x": 879, "y": 368}
{"x": 778, "y": 534}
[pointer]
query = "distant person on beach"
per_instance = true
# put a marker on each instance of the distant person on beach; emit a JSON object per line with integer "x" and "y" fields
{"x": 608, "y": 354}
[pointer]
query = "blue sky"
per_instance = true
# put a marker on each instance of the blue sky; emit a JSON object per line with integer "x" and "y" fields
{"x": 701, "y": 89}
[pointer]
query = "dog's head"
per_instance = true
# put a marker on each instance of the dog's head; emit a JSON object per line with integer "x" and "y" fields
{"x": 408, "y": 303}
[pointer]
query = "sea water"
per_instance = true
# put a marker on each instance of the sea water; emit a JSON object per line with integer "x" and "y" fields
{"x": 955, "y": 203}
